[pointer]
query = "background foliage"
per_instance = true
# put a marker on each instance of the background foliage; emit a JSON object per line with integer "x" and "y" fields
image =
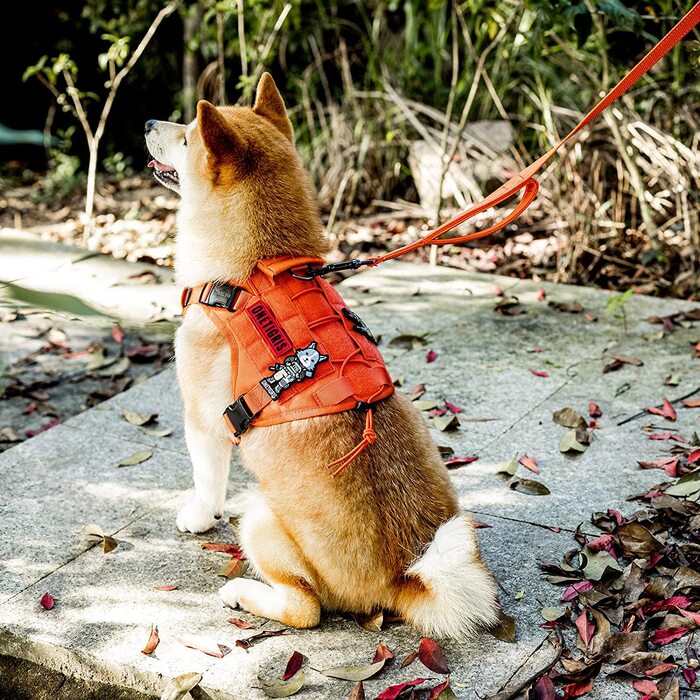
{"x": 365, "y": 78}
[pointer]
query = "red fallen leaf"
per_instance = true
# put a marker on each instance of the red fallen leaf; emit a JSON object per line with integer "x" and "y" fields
{"x": 206, "y": 646}
{"x": 417, "y": 391}
{"x": 619, "y": 518}
{"x": 541, "y": 294}
{"x": 695, "y": 617}
{"x": 590, "y": 318}
{"x": 539, "y": 372}
{"x": 645, "y": 687}
{"x": 478, "y": 524}
{"x": 676, "y": 601}
{"x": 667, "y": 436}
{"x": 164, "y": 588}
{"x": 437, "y": 412}
{"x": 594, "y": 410}
{"x": 498, "y": 291}
{"x": 437, "y": 690}
{"x": 697, "y": 349}
{"x": 585, "y": 628}
{"x": 694, "y": 456}
{"x": 241, "y": 624}
{"x": 118, "y": 334}
{"x": 153, "y": 641}
{"x": 393, "y": 691}
{"x": 232, "y": 549}
{"x": 659, "y": 670}
{"x": 574, "y": 589}
{"x": 430, "y": 356}
{"x": 47, "y": 601}
{"x": 543, "y": 689}
{"x": 667, "y": 411}
{"x": 578, "y": 689}
{"x": 431, "y": 656}
{"x": 593, "y": 424}
{"x": 692, "y": 403}
{"x": 668, "y": 464}
{"x": 293, "y": 665}
{"x": 530, "y": 462}
{"x": 455, "y": 462}
{"x": 383, "y": 652}
{"x": 32, "y": 408}
{"x": 601, "y": 543}
{"x": 143, "y": 353}
{"x": 665, "y": 636}
{"x": 553, "y": 528}
{"x": 47, "y": 426}
{"x": 453, "y": 408}
{"x": 655, "y": 558}
{"x": 537, "y": 350}
{"x": 689, "y": 675}
{"x": 409, "y": 659}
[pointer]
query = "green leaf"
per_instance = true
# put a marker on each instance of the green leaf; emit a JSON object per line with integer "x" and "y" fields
{"x": 157, "y": 432}
{"x": 54, "y": 301}
{"x": 596, "y": 564}
{"x": 568, "y": 418}
{"x": 625, "y": 18}
{"x": 136, "y": 418}
{"x": 508, "y": 468}
{"x": 504, "y": 629}
{"x": 529, "y": 486}
{"x": 552, "y": 614}
{"x": 446, "y": 422}
{"x": 687, "y": 485}
{"x": 569, "y": 443}
{"x": 176, "y": 688}
{"x": 354, "y": 673}
{"x": 278, "y": 688}
{"x": 136, "y": 458}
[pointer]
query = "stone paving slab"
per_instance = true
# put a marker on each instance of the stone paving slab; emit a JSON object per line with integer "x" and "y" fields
{"x": 67, "y": 477}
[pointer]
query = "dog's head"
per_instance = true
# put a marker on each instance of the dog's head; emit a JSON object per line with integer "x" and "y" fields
{"x": 245, "y": 193}
{"x": 223, "y": 146}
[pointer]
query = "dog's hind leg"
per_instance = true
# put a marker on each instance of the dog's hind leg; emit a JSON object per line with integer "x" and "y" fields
{"x": 288, "y": 595}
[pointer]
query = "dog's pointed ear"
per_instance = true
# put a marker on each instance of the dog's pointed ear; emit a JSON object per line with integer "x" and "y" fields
{"x": 269, "y": 104}
{"x": 218, "y": 137}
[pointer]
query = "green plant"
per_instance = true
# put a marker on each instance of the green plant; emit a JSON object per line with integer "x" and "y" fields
{"x": 615, "y": 307}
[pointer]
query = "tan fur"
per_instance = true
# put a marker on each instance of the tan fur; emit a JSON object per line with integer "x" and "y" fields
{"x": 344, "y": 543}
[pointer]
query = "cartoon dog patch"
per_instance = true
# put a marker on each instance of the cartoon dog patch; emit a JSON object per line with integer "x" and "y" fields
{"x": 301, "y": 365}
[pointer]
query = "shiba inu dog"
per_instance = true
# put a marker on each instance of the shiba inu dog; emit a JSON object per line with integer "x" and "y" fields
{"x": 387, "y": 533}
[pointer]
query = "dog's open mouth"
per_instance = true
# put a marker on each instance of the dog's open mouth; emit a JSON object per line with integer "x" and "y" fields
{"x": 165, "y": 174}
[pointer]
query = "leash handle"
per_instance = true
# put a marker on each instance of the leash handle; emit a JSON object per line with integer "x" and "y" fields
{"x": 525, "y": 178}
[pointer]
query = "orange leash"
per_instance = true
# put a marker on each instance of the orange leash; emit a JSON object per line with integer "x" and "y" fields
{"x": 525, "y": 178}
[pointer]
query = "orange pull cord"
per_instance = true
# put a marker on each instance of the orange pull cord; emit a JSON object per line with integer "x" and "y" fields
{"x": 369, "y": 437}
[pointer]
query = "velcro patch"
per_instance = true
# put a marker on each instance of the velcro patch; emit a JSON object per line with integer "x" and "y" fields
{"x": 270, "y": 329}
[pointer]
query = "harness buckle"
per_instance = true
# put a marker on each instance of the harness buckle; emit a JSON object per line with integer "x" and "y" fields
{"x": 239, "y": 416}
{"x": 221, "y": 295}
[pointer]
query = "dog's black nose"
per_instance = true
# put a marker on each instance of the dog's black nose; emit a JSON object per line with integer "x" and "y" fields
{"x": 149, "y": 125}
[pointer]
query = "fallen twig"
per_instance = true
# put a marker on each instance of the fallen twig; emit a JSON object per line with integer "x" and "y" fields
{"x": 644, "y": 412}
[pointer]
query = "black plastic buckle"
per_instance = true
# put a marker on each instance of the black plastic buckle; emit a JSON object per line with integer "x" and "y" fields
{"x": 240, "y": 416}
{"x": 353, "y": 264}
{"x": 221, "y": 295}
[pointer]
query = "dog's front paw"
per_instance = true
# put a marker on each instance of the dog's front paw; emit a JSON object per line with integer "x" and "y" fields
{"x": 195, "y": 517}
{"x": 231, "y": 591}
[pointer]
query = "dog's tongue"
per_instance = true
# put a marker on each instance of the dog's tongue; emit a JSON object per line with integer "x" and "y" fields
{"x": 160, "y": 166}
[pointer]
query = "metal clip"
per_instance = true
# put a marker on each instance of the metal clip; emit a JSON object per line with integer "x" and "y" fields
{"x": 353, "y": 264}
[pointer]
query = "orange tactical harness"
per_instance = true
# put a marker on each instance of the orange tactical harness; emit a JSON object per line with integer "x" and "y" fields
{"x": 297, "y": 350}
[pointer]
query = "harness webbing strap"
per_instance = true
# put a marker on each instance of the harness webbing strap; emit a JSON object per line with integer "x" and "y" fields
{"x": 524, "y": 179}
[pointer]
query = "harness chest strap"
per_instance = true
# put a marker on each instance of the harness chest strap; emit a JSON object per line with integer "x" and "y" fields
{"x": 297, "y": 329}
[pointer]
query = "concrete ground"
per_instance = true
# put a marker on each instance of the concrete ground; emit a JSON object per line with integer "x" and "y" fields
{"x": 59, "y": 481}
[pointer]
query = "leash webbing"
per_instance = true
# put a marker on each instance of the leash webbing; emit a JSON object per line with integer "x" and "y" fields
{"x": 524, "y": 180}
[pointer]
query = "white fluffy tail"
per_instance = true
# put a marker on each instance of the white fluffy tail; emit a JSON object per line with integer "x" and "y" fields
{"x": 458, "y": 596}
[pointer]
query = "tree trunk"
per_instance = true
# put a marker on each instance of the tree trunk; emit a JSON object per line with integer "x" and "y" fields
{"x": 191, "y": 25}
{"x": 90, "y": 193}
